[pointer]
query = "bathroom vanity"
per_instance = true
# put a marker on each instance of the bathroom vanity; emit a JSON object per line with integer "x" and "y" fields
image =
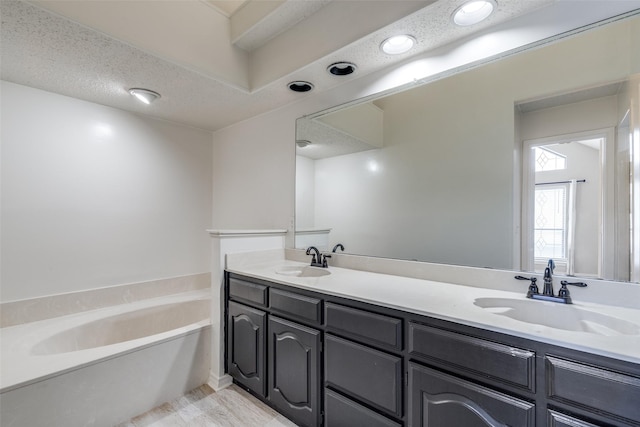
{"x": 339, "y": 347}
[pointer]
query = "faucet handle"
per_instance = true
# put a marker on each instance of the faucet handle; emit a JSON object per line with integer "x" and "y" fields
{"x": 324, "y": 260}
{"x": 533, "y": 287}
{"x": 578, "y": 284}
{"x": 564, "y": 292}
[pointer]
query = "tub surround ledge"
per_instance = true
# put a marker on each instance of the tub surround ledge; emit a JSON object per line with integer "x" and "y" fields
{"x": 33, "y": 309}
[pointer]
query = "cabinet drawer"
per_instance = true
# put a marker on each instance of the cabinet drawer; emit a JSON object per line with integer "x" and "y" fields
{"x": 342, "y": 412}
{"x": 594, "y": 389}
{"x": 361, "y": 325}
{"x": 366, "y": 374}
{"x": 510, "y": 365}
{"x": 296, "y": 305}
{"x": 556, "y": 419}
{"x": 248, "y": 292}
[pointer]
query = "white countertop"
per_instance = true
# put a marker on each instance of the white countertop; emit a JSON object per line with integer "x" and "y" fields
{"x": 445, "y": 301}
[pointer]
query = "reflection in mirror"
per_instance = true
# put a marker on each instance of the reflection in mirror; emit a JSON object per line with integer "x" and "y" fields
{"x": 567, "y": 213}
{"x": 445, "y": 172}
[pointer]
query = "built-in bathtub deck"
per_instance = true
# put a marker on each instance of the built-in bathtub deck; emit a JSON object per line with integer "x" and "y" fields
{"x": 119, "y": 351}
{"x": 23, "y": 362}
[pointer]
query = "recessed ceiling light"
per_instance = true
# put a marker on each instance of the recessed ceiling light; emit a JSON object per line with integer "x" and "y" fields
{"x": 303, "y": 143}
{"x": 145, "y": 96}
{"x": 398, "y": 44}
{"x": 300, "y": 86}
{"x": 342, "y": 68}
{"x": 473, "y": 12}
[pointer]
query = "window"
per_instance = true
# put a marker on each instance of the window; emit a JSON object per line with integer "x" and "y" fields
{"x": 547, "y": 160}
{"x": 550, "y": 221}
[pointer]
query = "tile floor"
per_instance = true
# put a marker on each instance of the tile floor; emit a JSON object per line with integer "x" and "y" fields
{"x": 203, "y": 407}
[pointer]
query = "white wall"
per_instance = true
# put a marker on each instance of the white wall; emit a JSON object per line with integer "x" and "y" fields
{"x": 254, "y": 174}
{"x": 93, "y": 196}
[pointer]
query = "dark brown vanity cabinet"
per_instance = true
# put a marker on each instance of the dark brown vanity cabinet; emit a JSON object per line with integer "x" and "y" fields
{"x": 323, "y": 360}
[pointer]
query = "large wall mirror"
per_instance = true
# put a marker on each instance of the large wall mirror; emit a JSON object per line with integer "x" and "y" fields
{"x": 506, "y": 165}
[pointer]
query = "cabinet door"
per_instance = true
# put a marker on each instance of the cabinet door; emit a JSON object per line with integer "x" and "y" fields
{"x": 246, "y": 346}
{"x": 294, "y": 374}
{"x": 440, "y": 400}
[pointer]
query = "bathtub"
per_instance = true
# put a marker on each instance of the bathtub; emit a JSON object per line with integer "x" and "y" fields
{"x": 104, "y": 366}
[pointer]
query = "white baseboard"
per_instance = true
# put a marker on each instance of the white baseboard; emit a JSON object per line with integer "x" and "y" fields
{"x": 219, "y": 383}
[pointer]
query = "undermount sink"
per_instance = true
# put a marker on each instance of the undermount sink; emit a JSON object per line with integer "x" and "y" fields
{"x": 560, "y": 316}
{"x": 306, "y": 271}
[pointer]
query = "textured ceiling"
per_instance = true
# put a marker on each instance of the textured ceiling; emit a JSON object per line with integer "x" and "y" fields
{"x": 48, "y": 52}
{"x": 45, "y": 50}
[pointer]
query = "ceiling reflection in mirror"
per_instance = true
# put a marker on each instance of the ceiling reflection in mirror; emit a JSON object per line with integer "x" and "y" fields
{"x": 436, "y": 173}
